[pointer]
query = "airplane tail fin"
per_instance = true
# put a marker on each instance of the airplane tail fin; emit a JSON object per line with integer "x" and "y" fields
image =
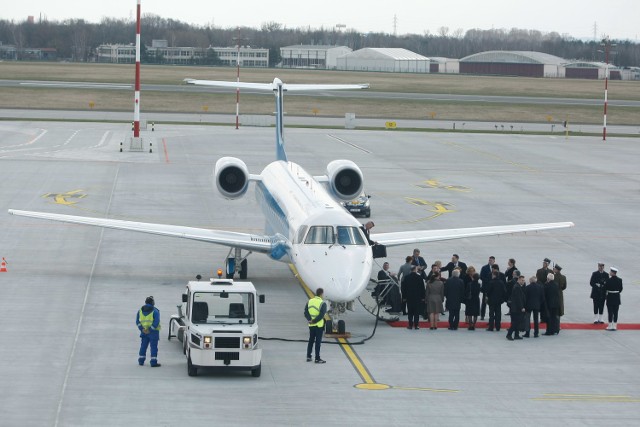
{"x": 278, "y": 89}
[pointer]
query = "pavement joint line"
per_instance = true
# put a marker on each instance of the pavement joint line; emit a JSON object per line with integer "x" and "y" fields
{"x": 84, "y": 306}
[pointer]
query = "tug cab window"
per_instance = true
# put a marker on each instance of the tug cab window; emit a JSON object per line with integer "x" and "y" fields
{"x": 319, "y": 235}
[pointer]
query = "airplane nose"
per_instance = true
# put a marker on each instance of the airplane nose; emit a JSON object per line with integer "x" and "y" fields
{"x": 343, "y": 274}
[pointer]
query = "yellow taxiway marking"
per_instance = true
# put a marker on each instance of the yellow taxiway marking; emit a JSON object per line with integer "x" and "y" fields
{"x": 434, "y": 183}
{"x": 61, "y": 198}
{"x": 587, "y": 398}
{"x": 438, "y": 208}
{"x": 369, "y": 383}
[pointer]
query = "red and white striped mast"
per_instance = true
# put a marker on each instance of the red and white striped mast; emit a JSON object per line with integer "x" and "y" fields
{"x": 606, "y": 43}
{"x": 136, "y": 107}
{"x": 238, "y": 80}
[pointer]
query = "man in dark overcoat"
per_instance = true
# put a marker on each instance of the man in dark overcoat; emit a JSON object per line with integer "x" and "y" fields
{"x": 516, "y": 309}
{"x": 413, "y": 293}
{"x": 534, "y": 295}
{"x": 495, "y": 293}
{"x": 454, "y": 294}
{"x": 552, "y": 303}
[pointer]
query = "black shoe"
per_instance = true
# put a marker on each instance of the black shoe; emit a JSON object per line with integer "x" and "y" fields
{"x": 309, "y": 359}
{"x": 482, "y": 318}
{"x": 517, "y": 337}
{"x": 536, "y": 335}
{"x": 490, "y": 329}
{"x": 416, "y": 327}
{"x": 547, "y": 333}
{"x": 320, "y": 361}
{"x": 509, "y": 337}
{"x": 409, "y": 327}
{"x": 526, "y": 335}
{"x": 157, "y": 365}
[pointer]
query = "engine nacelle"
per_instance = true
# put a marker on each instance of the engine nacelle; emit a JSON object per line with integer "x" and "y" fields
{"x": 231, "y": 176}
{"x": 345, "y": 179}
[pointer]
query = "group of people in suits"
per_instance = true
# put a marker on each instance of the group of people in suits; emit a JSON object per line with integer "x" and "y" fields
{"x": 424, "y": 292}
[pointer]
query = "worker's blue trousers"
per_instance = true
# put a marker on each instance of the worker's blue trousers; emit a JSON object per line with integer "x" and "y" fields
{"x": 145, "y": 341}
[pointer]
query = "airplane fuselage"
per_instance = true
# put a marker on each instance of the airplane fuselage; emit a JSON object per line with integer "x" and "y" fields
{"x": 319, "y": 237}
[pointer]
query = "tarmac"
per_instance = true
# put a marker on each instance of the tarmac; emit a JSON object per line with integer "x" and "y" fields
{"x": 71, "y": 293}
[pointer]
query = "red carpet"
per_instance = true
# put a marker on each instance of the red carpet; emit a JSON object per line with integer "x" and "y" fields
{"x": 505, "y": 325}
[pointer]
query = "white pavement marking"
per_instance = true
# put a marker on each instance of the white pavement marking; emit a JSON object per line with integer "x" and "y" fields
{"x": 84, "y": 305}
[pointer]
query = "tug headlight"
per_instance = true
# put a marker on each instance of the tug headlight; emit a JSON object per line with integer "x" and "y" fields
{"x": 246, "y": 342}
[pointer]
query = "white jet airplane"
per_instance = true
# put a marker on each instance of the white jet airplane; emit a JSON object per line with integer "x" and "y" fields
{"x": 305, "y": 224}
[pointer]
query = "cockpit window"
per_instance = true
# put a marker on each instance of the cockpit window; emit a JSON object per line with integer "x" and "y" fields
{"x": 301, "y": 231}
{"x": 349, "y": 236}
{"x": 320, "y": 234}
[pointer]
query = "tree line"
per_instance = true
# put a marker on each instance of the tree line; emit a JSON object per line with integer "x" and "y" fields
{"x": 76, "y": 39}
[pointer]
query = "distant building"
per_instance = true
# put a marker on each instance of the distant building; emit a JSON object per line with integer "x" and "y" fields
{"x": 444, "y": 65}
{"x": 312, "y": 56}
{"x": 513, "y": 63}
{"x": 12, "y": 53}
{"x": 393, "y": 60}
{"x": 116, "y": 54}
{"x": 8, "y": 52}
{"x": 160, "y": 52}
{"x": 591, "y": 70}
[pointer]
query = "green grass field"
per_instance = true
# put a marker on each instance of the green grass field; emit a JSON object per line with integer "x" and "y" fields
{"x": 51, "y": 98}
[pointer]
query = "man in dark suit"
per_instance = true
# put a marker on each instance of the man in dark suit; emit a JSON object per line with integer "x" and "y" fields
{"x": 534, "y": 302}
{"x": 517, "y": 309}
{"x": 454, "y": 293}
{"x": 455, "y": 263}
{"x": 552, "y": 303}
{"x": 485, "y": 277}
{"x": 413, "y": 293}
{"x": 366, "y": 229}
{"x": 420, "y": 263}
{"x": 495, "y": 293}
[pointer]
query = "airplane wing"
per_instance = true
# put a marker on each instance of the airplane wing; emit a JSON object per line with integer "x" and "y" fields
{"x": 421, "y": 236}
{"x": 252, "y": 242}
{"x": 291, "y": 87}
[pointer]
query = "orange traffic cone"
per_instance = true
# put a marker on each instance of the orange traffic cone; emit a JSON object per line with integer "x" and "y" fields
{"x": 3, "y": 267}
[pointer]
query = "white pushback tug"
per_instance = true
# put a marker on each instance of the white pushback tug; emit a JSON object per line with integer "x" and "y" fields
{"x": 217, "y": 324}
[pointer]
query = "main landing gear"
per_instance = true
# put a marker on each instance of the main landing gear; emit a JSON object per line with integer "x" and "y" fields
{"x": 236, "y": 264}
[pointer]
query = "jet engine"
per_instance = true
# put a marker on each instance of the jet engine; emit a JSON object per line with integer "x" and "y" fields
{"x": 345, "y": 179}
{"x": 232, "y": 177}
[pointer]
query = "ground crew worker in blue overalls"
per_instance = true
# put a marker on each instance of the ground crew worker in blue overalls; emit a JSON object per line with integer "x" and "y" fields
{"x": 314, "y": 312}
{"x": 148, "y": 321}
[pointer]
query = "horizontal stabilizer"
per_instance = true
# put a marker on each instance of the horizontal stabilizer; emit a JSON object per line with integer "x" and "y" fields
{"x": 291, "y": 87}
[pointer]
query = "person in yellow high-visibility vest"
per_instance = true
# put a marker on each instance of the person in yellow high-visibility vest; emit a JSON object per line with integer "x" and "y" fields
{"x": 314, "y": 312}
{"x": 148, "y": 322}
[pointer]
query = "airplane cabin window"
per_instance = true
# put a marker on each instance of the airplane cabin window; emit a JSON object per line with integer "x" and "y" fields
{"x": 320, "y": 234}
{"x": 349, "y": 236}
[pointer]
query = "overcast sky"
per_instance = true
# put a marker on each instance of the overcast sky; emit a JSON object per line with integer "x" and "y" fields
{"x": 617, "y": 18}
